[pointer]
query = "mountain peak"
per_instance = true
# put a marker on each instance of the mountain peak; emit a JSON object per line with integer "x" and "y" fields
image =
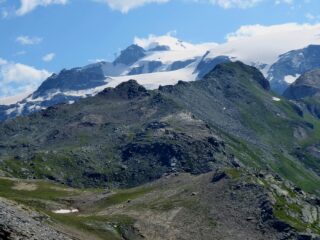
{"x": 240, "y": 70}
{"x": 165, "y": 42}
{"x": 130, "y": 55}
{"x": 128, "y": 90}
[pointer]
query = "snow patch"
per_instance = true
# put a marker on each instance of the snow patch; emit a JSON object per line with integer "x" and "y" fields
{"x": 66, "y": 211}
{"x": 291, "y": 78}
{"x": 276, "y": 99}
{"x": 154, "y": 80}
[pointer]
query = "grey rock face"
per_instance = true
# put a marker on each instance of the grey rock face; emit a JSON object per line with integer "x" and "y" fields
{"x": 17, "y": 223}
{"x": 293, "y": 63}
{"x": 146, "y": 67}
{"x": 160, "y": 48}
{"x": 206, "y": 65}
{"x": 181, "y": 64}
{"x": 308, "y": 85}
{"x": 74, "y": 79}
{"x": 130, "y": 55}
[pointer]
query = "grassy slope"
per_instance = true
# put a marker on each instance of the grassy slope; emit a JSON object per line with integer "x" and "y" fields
{"x": 46, "y": 196}
{"x": 113, "y": 216}
{"x": 260, "y": 130}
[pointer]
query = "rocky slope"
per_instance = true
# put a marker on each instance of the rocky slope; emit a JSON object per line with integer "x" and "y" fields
{"x": 129, "y": 135}
{"x": 292, "y": 65}
{"x": 17, "y": 222}
{"x": 244, "y": 147}
{"x": 230, "y": 203}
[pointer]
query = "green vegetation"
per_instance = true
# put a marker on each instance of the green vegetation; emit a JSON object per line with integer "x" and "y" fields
{"x": 21, "y": 190}
{"x": 291, "y": 213}
{"x": 121, "y": 196}
{"x": 109, "y": 228}
{"x": 43, "y": 197}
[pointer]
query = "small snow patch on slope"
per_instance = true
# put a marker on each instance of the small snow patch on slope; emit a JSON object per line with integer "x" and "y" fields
{"x": 276, "y": 99}
{"x": 66, "y": 211}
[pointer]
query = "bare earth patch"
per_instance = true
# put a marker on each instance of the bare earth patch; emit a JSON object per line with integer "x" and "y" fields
{"x": 20, "y": 186}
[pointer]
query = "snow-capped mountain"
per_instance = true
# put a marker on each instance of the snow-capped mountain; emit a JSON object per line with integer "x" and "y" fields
{"x": 161, "y": 61}
{"x": 158, "y": 63}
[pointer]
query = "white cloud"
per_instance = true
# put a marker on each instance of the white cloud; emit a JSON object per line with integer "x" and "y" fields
{"x": 284, "y": 1}
{"x": 168, "y": 40}
{"x": 126, "y": 5}
{"x": 49, "y": 57}
{"x": 17, "y": 78}
{"x": 235, "y": 3}
{"x": 26, "y": 40}
{"x": 27, "y": 6}
{"x": 4, "y": 13}
{"x": 20, "y": 53}
{"x": 14, "y": 99}
{"x": 97, "y": 60}
{"x": 2, "y": 61}
{"x": 250, "y": 43}
{"x": 312, "y": 17}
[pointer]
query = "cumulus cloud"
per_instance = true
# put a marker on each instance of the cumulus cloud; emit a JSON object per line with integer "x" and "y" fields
{"x": 126, "y": 5}
{"x": 2, "y": 61}
{"x": 49, "y": 57}
{"x": 312, "y": 17}
{"x": 27, "y": 6}
{"x": 235, "y": 3}
{"x": 284, "y": 1}
{"x": 17, "y": 78}
{"x": 26, "y": 40}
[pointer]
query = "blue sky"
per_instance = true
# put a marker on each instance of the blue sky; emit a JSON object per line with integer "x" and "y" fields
{"x": 49, "y": 35}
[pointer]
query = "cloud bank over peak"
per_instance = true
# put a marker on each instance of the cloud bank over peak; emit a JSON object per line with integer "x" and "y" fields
{"x": 169, "y": 40}
{"x": 268, "y": 42}
{"x": 249, "y": 43}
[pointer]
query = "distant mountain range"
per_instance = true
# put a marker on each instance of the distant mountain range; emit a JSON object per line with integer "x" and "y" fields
{"x": 162, "y": 63}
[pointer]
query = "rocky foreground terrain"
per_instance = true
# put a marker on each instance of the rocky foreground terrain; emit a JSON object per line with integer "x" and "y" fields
{"x": 18, "y": 222}
{"x": 226, "y": 204}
